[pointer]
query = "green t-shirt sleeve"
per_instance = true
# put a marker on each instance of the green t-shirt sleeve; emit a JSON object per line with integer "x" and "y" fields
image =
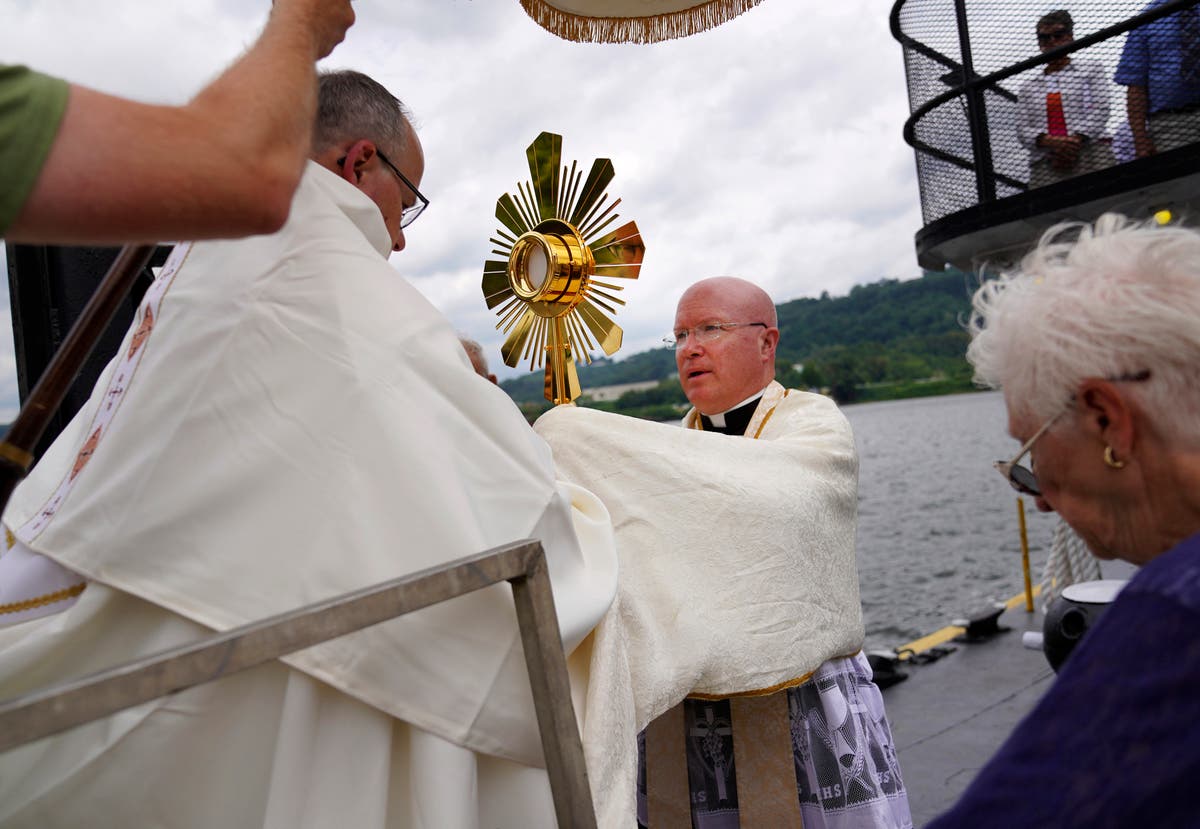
{"x": 31, "y": 109}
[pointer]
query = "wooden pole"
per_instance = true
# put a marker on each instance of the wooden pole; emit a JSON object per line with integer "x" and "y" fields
{"x": 1025, "y": 555}
{"x": 16, "y": 450}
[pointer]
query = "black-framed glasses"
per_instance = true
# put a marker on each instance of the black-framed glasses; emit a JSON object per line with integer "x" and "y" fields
{"x": 1057, "y": 34}
{"x": 409, "y": 214}
{"x": 1021, "y": 478}
{"x": 705, "y": 333}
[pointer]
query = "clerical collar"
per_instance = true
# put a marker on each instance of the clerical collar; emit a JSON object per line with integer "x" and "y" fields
{"x": 732, "y": 421}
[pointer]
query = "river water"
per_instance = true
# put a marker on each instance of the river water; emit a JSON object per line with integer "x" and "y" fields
{"x": 938, "y": 534}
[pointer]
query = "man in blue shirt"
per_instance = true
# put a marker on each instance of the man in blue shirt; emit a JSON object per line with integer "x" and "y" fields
{"x": 1161, "y": 68}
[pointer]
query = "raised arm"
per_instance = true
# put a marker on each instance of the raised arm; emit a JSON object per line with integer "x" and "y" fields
{"x": 225, "y": 164}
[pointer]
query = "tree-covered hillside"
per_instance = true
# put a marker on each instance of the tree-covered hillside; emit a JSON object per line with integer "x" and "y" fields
{"x": 881, "y": 312}
{"x": 888, "y": 339}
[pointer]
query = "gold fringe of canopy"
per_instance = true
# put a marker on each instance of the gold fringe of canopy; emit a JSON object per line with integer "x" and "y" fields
{"x": 624, "y": 21}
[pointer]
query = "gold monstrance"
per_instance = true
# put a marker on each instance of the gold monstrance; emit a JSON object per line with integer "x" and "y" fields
{"x": 548, "y": 291}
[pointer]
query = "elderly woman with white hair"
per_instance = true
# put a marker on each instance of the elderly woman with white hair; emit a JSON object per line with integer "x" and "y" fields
{"x": 1095, "y": 340}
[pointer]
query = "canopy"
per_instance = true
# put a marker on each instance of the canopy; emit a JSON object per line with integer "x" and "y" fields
{"x": 631, "y": 21}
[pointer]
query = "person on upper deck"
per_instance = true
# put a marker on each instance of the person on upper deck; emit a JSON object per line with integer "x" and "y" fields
{"x": 1062, "y": 111}
{"x": 739, "y": 588}
{"x": 1095, "y": 342}
{"x": 81, "y": 167}
{"x": 1160, "y": 65}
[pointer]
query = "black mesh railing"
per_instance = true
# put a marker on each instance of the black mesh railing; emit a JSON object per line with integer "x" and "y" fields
{"x": 997, "y": 113}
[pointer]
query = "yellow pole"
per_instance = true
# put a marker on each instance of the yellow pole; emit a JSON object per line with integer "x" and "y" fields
{"x": 1025, "y": 556}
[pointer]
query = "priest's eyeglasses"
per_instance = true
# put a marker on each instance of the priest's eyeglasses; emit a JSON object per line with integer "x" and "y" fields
{"x": 1021, "y": 478}
{"x": 409, "y": 214}
{"x": 702, "y": 334}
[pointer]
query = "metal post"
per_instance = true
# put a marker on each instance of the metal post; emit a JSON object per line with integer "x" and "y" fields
{"x": 981, "y": 142}
{"x": 561, "y": 743}
{"x": 522, "y": 563}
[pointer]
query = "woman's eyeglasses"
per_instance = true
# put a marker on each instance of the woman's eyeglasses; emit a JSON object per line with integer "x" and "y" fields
{"x": 1021, "y": 478}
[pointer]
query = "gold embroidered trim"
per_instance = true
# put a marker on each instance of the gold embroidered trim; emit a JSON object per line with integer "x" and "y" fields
{"x": 774, "y": 689}
{"x": 155, "y": 296}
{"x": 767, "y": 417}
{"x": 16, "y": 454}
{"x": 583, "y": 28}
{"x": 45, "y": 599}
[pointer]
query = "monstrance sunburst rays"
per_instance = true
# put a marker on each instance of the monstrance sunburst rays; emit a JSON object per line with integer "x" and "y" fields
{"x": 551, "y": 290}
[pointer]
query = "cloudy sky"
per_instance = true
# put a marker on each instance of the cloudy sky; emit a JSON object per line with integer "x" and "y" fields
{"x": 768, "y": 148}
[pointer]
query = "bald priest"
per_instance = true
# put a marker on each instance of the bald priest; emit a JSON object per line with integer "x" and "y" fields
{"x": 735, "y": 637}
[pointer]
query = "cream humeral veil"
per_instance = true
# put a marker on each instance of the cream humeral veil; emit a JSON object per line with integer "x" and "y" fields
{"x": 303, "y": 423}
{"x": 736, "y": 557}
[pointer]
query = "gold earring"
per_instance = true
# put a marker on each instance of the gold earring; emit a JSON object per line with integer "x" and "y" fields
{"x": 1110, "y": 460}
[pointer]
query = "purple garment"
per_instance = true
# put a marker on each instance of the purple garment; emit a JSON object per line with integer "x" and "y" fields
{"x": 1116, "y": 739}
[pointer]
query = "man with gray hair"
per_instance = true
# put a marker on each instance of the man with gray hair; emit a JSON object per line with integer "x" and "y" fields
{"x": 287, "y": 420}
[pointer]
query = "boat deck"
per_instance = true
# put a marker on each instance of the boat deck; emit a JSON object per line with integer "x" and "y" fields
{"x": 951, "y": 715}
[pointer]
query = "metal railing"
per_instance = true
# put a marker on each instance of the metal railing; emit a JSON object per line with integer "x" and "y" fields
{"x": 521, "y": 563}
{"x": 965, "y": 83}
